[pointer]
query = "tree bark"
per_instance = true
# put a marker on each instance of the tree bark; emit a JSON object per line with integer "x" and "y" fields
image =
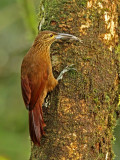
{"x": 81, "y": 116}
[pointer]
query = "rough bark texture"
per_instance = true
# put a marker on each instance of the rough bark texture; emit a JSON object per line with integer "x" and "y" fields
{"x": 81, "y": 116}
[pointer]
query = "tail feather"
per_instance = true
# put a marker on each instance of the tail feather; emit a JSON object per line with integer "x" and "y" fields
{"x": 36, "y": 124}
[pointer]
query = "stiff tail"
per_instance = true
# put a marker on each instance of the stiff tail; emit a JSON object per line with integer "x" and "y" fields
{"x": 36, "y": 124}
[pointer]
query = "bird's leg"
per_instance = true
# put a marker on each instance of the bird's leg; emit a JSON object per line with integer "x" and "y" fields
{"x": 47, "y": 98}
{"x": 66, "y": 69}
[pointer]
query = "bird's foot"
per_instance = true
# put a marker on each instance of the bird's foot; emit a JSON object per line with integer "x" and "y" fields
{"x": 46, "y": 104}
{"x": 66, "y": 69}
{"x": 47, "y": 101}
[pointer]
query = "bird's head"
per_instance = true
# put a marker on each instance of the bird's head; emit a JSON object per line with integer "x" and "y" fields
{"x": 48, "y": 37}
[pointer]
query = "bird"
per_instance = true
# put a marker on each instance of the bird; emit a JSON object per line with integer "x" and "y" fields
{"x": 37, "y": 79}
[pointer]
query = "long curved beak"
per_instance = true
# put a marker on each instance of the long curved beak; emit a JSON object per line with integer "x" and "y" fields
{"x": 67, "y": 36}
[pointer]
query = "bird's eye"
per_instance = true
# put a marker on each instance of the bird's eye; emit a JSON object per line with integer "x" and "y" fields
{"x": 51, "y": 35}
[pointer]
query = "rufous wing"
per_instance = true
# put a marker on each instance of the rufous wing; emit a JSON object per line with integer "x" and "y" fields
{"x": 32, "y": 90}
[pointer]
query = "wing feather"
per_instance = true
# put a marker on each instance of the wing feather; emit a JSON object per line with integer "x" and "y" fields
{"x": 32, "y": 87}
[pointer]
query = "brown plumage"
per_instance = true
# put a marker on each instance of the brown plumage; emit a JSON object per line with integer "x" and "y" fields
{"x": 37, "y": 80}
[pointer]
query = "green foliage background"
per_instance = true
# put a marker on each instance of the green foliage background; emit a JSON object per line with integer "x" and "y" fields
{"x": 18, "y": 27}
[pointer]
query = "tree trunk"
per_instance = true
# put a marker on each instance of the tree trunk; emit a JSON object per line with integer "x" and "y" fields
{"x": 81, "y": 116}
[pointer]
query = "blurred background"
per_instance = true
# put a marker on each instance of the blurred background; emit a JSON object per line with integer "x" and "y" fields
{"x": 18, "y": 28}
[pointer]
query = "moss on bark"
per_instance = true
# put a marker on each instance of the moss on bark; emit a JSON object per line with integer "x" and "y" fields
{"x": 81, "y": 117}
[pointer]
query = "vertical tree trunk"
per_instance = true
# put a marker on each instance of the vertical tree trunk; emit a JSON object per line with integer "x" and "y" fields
{"x": 81, "y": 116}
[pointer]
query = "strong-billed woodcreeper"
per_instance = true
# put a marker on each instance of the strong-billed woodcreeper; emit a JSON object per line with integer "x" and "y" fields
{"x": 37, "y": 79}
